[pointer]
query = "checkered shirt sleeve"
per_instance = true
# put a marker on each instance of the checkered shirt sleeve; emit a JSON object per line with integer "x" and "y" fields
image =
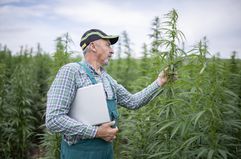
{"x": 59, "y": 97}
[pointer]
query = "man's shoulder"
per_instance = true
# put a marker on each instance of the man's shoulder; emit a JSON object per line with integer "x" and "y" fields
{"x": 73, "y": 67}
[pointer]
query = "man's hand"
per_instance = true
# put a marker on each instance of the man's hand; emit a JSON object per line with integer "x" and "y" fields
{"x": 106, "y": 132}
{"x": 162, "y": 77}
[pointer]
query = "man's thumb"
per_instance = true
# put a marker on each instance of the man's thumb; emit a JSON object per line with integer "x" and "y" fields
{"x": 112, "y": 123}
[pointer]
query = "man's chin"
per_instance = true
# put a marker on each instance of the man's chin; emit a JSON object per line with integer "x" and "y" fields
{"x": 106, "y": 62}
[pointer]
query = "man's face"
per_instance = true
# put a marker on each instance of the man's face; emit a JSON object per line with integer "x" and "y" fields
{"x": 104, "y": 51}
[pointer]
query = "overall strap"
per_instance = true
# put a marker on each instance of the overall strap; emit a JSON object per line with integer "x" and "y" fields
{"x": 113, "y": 91}
{"x": 87, "y": 70}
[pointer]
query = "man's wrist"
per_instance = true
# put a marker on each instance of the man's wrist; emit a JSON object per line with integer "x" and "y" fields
{"x": 95, "y": 135}
{"x": 160, "y": 84}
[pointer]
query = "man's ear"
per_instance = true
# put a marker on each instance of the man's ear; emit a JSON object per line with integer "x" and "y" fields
{"x": 92, "y": 47}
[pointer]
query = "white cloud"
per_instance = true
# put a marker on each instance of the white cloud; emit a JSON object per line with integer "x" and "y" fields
{"x": 25, "y": 26}
{"x": 44, "y": 21}
{"x": 99, "y": 13}
{"x": 16, "y": 16}
{"x": 218, "y": 20}
{"x": 2, "y": 2}
{"x": 110, "y": 18}
{"x": 30, "y": 37}
{"x": 210, "y": 18}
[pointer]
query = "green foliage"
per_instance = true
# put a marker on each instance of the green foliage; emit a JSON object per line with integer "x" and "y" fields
{"x": 156, "y": 35}
{"x": 20, "y": 114}
{"x": 197, "y": 116}
{"x": 51, "y": 142}
{"x": 61, "y": 57}
{"x": 23, "y": 89}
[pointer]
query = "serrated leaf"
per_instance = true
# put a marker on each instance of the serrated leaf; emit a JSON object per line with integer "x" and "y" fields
{"x": 210, "y": 154}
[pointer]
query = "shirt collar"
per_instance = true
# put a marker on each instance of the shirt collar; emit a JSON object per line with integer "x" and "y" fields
{"x": 102, "y": 70}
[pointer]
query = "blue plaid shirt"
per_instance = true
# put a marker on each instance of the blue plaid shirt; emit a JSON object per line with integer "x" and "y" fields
{"x": 62, "y": 92}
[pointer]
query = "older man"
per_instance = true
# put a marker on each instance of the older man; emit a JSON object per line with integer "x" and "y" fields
{"x": 81, "y": 140}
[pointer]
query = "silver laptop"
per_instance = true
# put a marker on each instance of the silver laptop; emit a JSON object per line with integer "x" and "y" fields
{"x": 89, "y": 106}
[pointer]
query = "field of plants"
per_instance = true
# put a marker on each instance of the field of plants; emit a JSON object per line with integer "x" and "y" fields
{"x": 196, "y": 116}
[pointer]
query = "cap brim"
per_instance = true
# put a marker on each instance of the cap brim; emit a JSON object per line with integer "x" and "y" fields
{"x": 112, "y": 39}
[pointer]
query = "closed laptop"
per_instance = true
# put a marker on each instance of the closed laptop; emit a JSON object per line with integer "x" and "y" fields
{"x": 90, "y": 106}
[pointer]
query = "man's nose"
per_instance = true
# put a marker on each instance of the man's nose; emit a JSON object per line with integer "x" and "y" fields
{"x": 111, "y": 50}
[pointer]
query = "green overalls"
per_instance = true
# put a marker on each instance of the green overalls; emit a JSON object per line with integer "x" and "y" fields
{"x": 92, "y": 148}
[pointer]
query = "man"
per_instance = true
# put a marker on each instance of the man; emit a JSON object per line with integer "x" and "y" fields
{"x": 79, "y": 139}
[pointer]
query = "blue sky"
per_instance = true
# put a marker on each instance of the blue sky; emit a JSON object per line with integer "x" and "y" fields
{"x": 27, "y": 22}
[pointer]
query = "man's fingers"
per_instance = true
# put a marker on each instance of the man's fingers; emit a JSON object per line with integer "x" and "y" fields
{"x": 110, "y": 139}
{"x": 116, "y": 129}
{"x": 164, "y": 72}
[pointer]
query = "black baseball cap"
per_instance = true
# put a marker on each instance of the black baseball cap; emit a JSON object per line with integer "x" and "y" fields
{"x": 96, "y": 34}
